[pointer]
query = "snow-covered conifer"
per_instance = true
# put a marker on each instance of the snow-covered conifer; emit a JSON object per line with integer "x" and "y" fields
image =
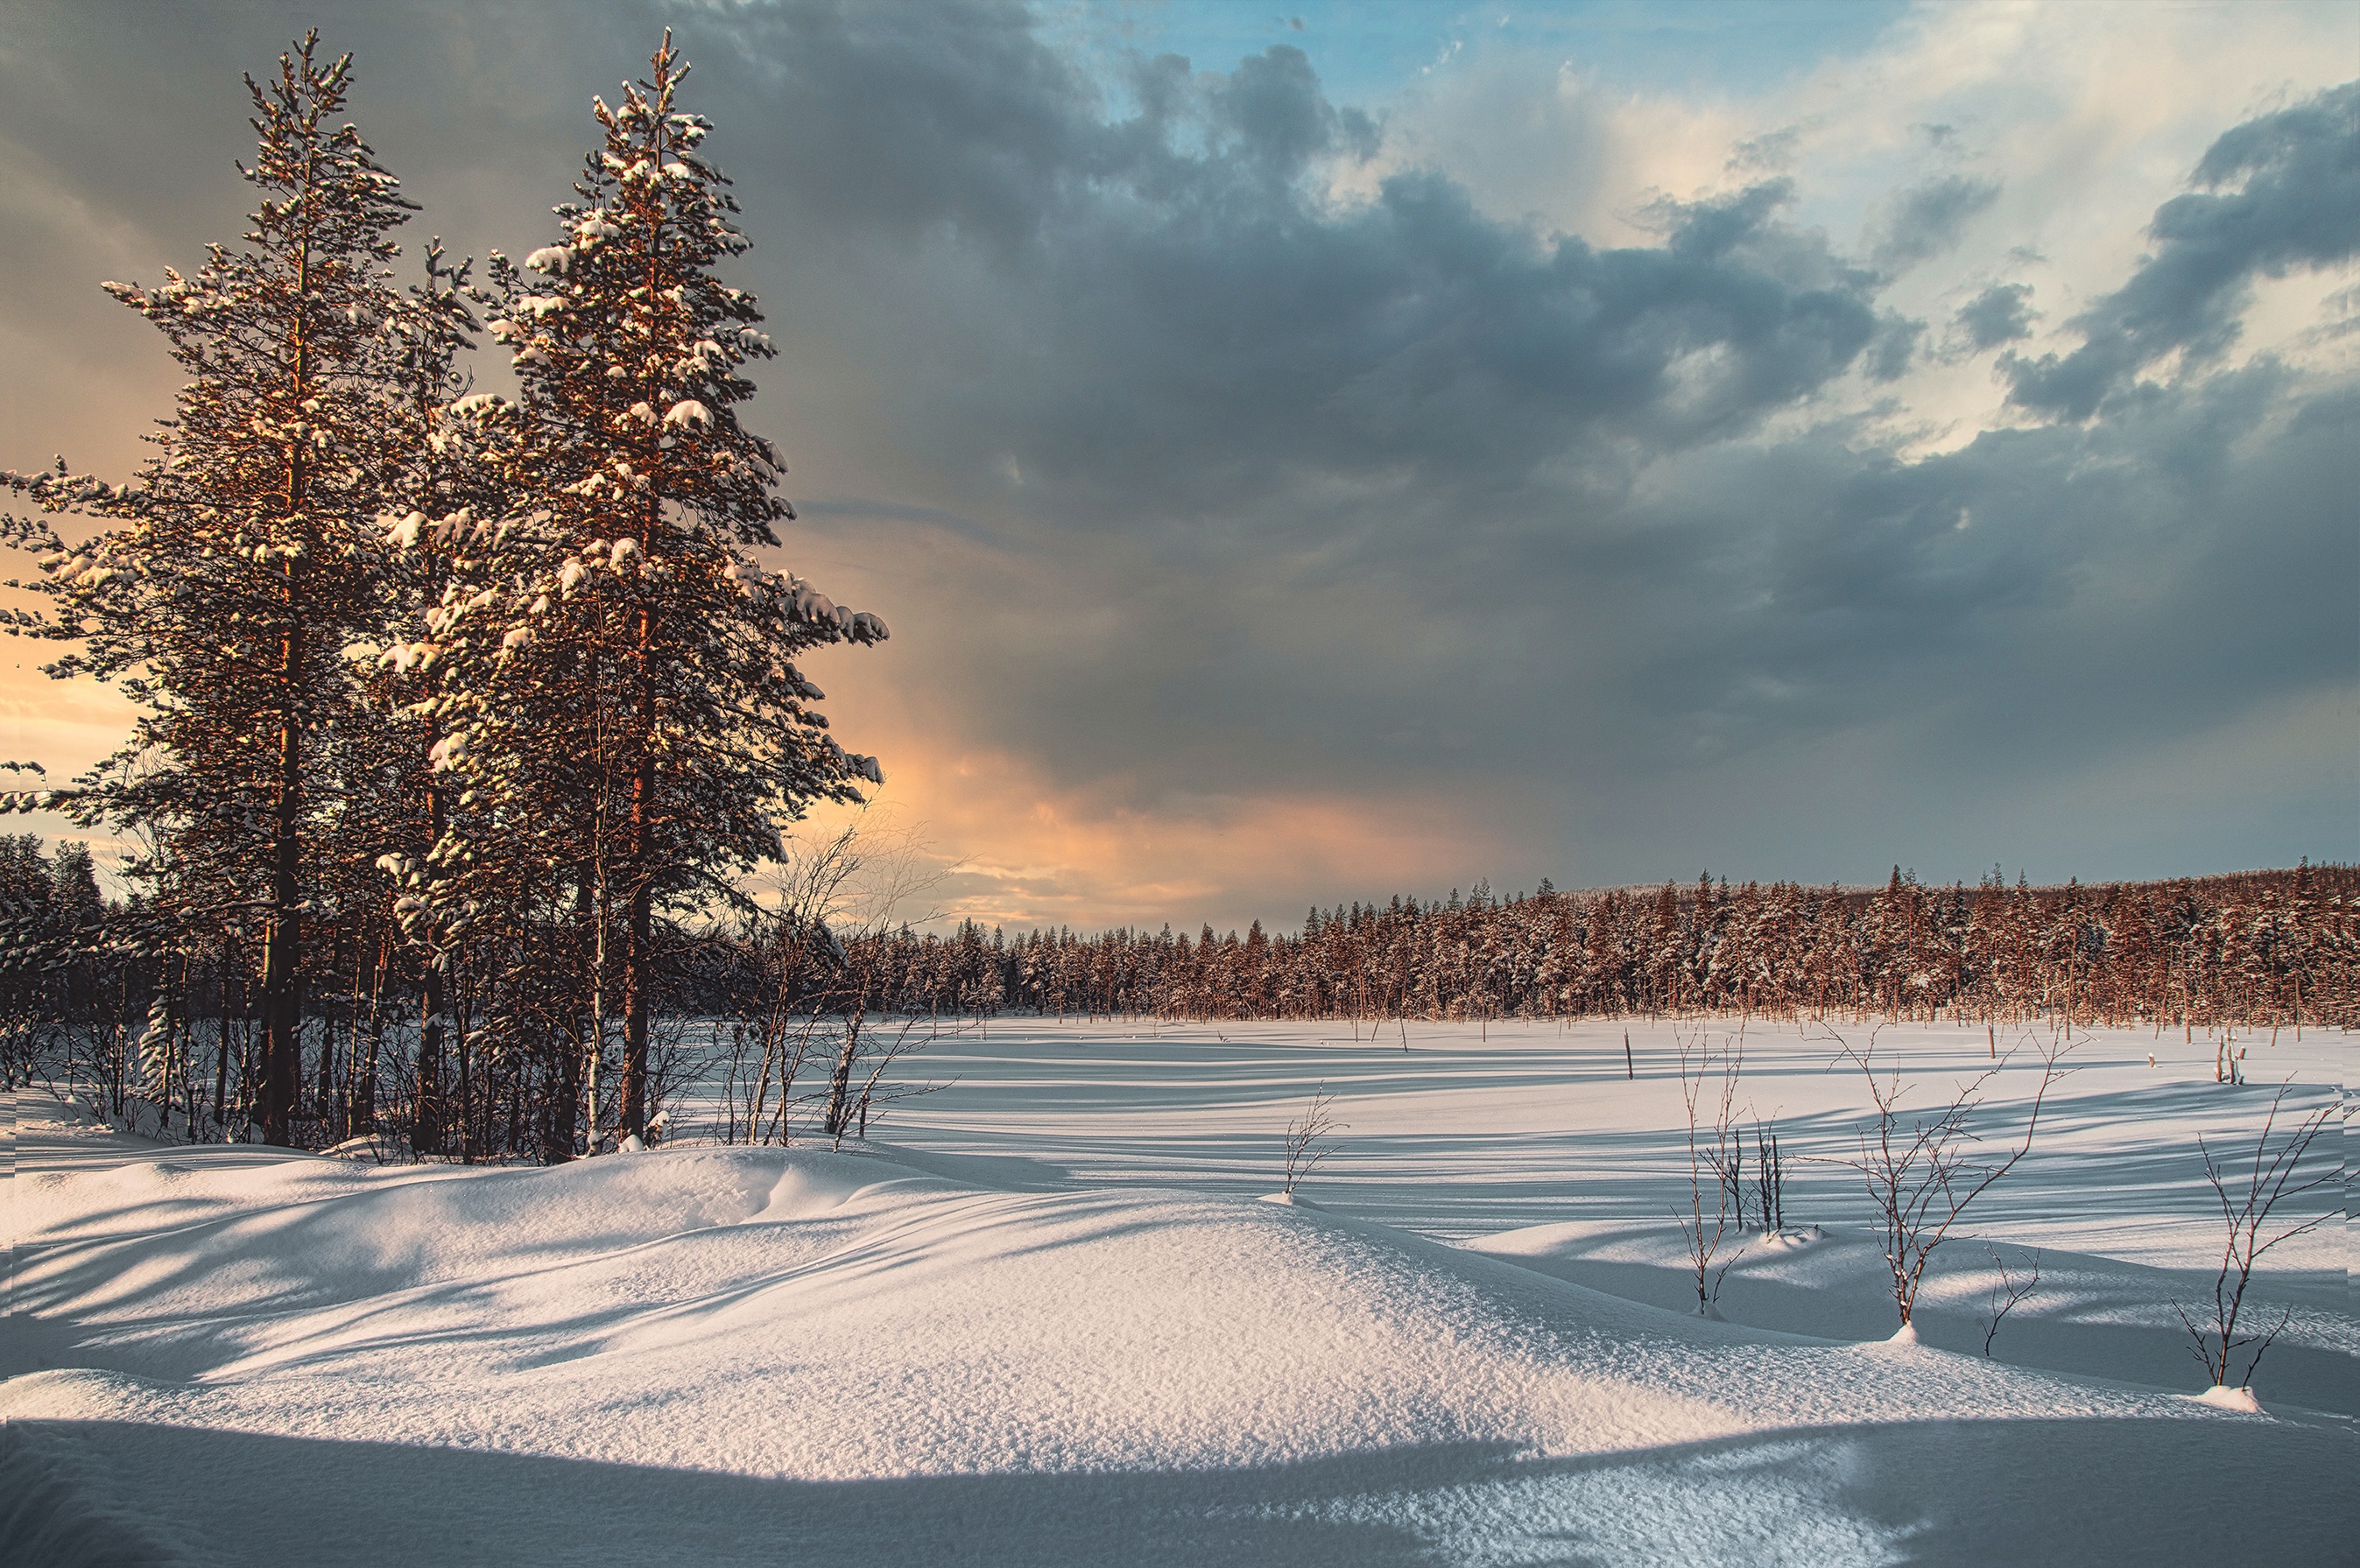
{"x": 620, "y": 690}
{"x": 241, "y": 565}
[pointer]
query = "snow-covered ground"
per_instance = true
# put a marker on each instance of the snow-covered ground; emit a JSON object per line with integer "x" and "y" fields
{"x": 1040, "y": 1318}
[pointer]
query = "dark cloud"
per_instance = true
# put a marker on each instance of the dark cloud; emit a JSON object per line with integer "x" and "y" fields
{"x": 1182, "y": 317}
{"x": 2063, "y": 585}
{"x": 2000, "y": 314}
{"x": 1927, "y": 220}
{"x": 1895, "y": 344}
{"x": 2276, "y": 194}
{"x": 898, "y": 117}
{"x": 1410, "y": 335}
{"x": 1181, "y": 478}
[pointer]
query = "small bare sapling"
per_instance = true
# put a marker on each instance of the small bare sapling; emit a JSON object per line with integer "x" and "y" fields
{"x": 1769, "y": 1180}
{"x": 1709, "y": 1092}
{"x": 2007, "y": 1291}
{"x": 1727, "y": 1156}
{"x": 1923, "y": 1171}
{"x": 2247, "y": 1194}
{"x": 1307, "y": 1138}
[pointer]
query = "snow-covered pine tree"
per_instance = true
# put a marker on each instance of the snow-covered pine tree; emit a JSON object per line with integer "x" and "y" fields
{"x": 243, "y": 558}
{"x": 441, "y": 487}
{"x": 620, "y": 693}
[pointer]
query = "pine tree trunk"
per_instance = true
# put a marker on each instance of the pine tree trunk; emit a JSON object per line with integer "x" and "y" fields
{"x": 426, "y": 1132}
{"x": 639, "y": 929}
{"x": 463, "y": 1117}
{"x": 360, "y": 1094}
{"x": 283, "y": 942}
{"x": 323, "y": 1091}
{"x": 557, "y": 1142}
{"x": 282, "y": 1049}
{"x": 426, "y": 1123}
{"x": 637, "y": 932}
{"x": 220, "y": 1057}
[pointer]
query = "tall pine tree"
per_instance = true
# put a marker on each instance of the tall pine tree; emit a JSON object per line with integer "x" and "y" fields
{"x": 619, "y": 696}
{"x": 244, "y": 558}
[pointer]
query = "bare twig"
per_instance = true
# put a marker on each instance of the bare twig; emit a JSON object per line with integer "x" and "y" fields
{"x": 2006, "y": 1292}
{"x": 1922, "y": 1176}
{"x": 2274, "y": 1177}
{"x": 1305, "y": 1138}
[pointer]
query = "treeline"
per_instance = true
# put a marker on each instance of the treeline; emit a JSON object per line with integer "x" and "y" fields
{"x": 2256, "y": 948}
{"x": 792, "y": 1025}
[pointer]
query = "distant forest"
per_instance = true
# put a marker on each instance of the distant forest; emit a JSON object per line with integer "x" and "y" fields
{"x": 784, "y": 1014}
{"x": 2259, "y": 947}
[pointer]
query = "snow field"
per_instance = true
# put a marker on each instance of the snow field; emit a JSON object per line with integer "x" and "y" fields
{"x": 1464, "y": 1136}
{"x": 1049, "y": 1324}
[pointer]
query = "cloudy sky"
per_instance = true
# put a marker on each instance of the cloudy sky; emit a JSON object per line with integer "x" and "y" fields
{"x": 1360, "y": 449}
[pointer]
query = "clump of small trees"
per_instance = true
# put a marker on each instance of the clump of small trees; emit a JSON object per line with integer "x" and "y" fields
{"x": 1709, "y": 1076}
{"x": 799, "y": 984}
{"x": 458, "y": 713}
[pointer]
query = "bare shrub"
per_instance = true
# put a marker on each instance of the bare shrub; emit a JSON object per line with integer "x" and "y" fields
{"x": 1922, "y": 1172}
{"x": 1709, "y": 1092}
{"x": 822, "y": 943}
{"x": 1307, "y": 1138}
{"x": 2247, "y": 1194}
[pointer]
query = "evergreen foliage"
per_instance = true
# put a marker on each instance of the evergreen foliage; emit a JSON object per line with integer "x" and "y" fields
{"x": 619, "y": 684}
{"x": 243, "y": 562}
{"x": 2258, "y": 947}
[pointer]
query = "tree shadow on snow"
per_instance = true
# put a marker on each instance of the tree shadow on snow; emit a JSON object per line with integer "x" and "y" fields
{"x": 1937, "y": 1492}
{"x": 237, "y": 1498}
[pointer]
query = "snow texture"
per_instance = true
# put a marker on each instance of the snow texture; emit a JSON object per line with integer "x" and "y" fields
{"x": 950, "y": 1350}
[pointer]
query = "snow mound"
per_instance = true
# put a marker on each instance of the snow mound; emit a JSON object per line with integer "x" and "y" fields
{"x": 794, "y": 1312}
{"x": 818, "y": 1315}
{"x": 2090, "y": 1316}
{"x": 2221, "y": 1396}
{"x": 702, "y": 1352}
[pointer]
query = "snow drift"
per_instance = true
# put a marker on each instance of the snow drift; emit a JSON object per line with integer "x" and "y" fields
{"x": 766, "y": 1355}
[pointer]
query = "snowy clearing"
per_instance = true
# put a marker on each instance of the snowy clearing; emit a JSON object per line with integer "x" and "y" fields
{"x": 1040, "y": 1317}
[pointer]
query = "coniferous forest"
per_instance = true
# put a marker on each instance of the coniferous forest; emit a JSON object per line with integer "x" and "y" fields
{"x": 465, "y": 718}
{"x": 2258, "y": 947}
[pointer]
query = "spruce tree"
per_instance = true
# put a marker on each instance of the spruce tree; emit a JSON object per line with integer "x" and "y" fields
{"x": 242, "y": 563}
{"x": 619, "y": 697}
